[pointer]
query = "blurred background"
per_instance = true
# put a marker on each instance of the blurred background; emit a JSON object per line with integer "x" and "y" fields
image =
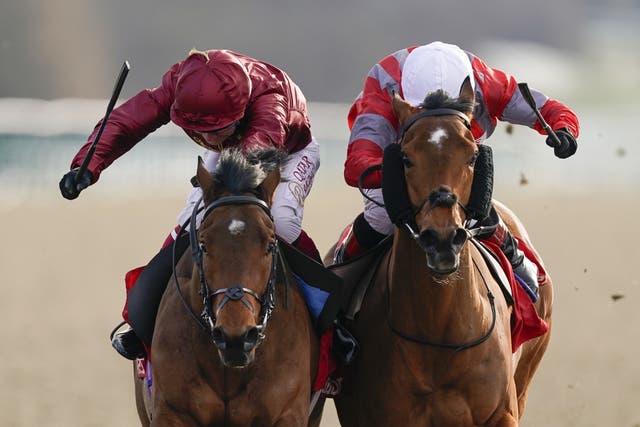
{"x": 63, "y": 262}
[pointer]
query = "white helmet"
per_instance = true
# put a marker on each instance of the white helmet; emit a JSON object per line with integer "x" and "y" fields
{"x": 435, "y": 66}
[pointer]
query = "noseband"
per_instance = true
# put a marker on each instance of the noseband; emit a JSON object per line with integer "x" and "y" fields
{"x": 207, "y": 319}
{"x": 441, "y": 197}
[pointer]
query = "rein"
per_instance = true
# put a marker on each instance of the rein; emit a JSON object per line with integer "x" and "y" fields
{"x": 422, "y": 341}
{"x": 207, "y": 318}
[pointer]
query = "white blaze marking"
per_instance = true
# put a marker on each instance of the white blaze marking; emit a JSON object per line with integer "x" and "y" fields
{"x": 236, "y": 227}
{"x": 438, "y": 136}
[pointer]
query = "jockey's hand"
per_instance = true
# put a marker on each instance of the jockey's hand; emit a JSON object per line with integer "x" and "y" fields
{"x": 71, "y": 184}
{"x": 568, "y": 144}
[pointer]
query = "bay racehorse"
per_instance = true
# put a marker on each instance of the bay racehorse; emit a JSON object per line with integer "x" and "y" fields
{"x": 233, "y": 343}
{"x": 434, "y": 328}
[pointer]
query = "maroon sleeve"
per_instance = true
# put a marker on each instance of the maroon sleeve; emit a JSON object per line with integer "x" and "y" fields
{"x": 129, "y": 124}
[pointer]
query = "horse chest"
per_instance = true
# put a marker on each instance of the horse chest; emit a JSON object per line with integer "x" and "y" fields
{"x": 439, "y": 389}
{"x": 244, "y": 404}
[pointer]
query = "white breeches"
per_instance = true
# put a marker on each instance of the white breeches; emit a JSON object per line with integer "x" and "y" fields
{"x": 297, "y": 171}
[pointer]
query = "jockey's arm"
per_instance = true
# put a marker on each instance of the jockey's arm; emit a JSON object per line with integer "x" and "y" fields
{"x": 373, "y": 126}
{"x": 505, "y": 102}
{"x": 128, "y": 124}
{"x": 362, "y": 154}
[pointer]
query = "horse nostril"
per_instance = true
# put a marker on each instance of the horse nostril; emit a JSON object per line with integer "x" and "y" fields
{"x": 251, "y": 337}
{"x": 429, "y": 239}
{"x": 459, "y": 238}
{"x": 218, "y": 338}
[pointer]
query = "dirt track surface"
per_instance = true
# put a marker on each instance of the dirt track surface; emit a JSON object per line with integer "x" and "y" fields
{"x": 62, "y": 291}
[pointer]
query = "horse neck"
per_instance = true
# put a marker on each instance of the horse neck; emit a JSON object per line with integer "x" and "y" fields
{"x": 450, "y": 309}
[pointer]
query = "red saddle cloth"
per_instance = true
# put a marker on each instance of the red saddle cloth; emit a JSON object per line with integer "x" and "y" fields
{"x": 525, "y": 321}
{"x": 326, "y": 362}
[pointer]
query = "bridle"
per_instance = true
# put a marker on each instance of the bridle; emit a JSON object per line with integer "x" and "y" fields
{"x": 207, "y": 318}
{"x": 437, "y": 197}
{"x": 444, "y": 198}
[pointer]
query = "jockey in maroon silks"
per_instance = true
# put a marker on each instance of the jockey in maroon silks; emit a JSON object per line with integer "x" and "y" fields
{"x": 220, "y": 99}
{"x": 413, "y": 73}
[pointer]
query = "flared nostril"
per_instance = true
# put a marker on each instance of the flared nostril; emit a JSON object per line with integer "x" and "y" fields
{"x": 429, "y": 239}
{"x": 251, "y": 337}
{"x": 219, "y": 338}
{"x": 458, "y": 239}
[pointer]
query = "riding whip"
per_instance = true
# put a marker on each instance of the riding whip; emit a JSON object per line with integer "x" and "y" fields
{"x": 526, "y": 94}
{"x": 114, "y": 97}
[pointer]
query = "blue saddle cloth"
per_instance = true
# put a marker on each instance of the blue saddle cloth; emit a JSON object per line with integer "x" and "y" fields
{"x": 316, "y": 298}
{"x": 322, "y": 289}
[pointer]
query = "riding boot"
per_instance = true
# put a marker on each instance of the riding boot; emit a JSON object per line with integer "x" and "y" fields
{"x": 128, "y": 345}
{"x": 524, "y": 269}
{"x": 360, "y": 237}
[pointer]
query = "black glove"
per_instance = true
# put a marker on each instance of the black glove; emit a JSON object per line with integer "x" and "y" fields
{"x": 71, "y": 184}
{"x": 568, "y": 144}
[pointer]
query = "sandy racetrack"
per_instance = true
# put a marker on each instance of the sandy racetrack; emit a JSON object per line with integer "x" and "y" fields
{"x": 62, "y": 291}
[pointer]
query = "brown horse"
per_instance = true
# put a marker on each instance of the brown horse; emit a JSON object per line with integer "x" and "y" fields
{"x": 434, "y": 328}
{"x": 233, "y": 343}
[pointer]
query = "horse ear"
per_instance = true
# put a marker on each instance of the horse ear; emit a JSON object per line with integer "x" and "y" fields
{"x": 269, "y": 184}
{"x": 402, "y": 108}
{"x": 466, "y": 92}
{"x": 205, "y": 179}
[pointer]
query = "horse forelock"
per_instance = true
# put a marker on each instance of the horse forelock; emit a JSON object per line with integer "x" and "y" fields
{"x": 440, "y": 99}
{"x": 269, "y": 159}
{"x": 234, "y": 173}
{"x": 240, "y": 172}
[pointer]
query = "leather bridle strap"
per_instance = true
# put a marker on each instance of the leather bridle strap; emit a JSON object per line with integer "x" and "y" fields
{"x": 429, "y": 113}
{"x": 237, "y": 200}
{"x": 233, "y": 293}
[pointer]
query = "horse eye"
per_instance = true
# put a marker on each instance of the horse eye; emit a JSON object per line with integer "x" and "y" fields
{"x": 272, "y": 245}
{"x": 203, "y": 248}
{"x": 472, "y": 162}
{"x": 405, "y": 160}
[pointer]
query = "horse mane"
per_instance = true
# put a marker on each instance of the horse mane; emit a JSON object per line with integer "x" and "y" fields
{"x": 239, "y": 172}
{"x": 440, "y": 99}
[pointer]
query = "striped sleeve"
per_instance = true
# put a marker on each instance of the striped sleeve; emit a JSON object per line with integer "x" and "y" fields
{"x": 505, "y": 102}
{"x": 372, "y": 122}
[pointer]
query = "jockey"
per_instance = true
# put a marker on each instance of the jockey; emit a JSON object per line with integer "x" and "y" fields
{"x": 220, "y": 99}
{"x": 413, "y": 73}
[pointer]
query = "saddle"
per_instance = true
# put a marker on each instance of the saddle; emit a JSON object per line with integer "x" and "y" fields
{"x": 357, "y": 274}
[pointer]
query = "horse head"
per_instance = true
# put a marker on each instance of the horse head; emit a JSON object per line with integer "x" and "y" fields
{"x": 438, "y": 154}
{"x": 237, "y": 249}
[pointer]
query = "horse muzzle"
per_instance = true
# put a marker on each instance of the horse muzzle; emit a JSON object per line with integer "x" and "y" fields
{"x": 236, "y": 351}
{"x": 442, "y": 251}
